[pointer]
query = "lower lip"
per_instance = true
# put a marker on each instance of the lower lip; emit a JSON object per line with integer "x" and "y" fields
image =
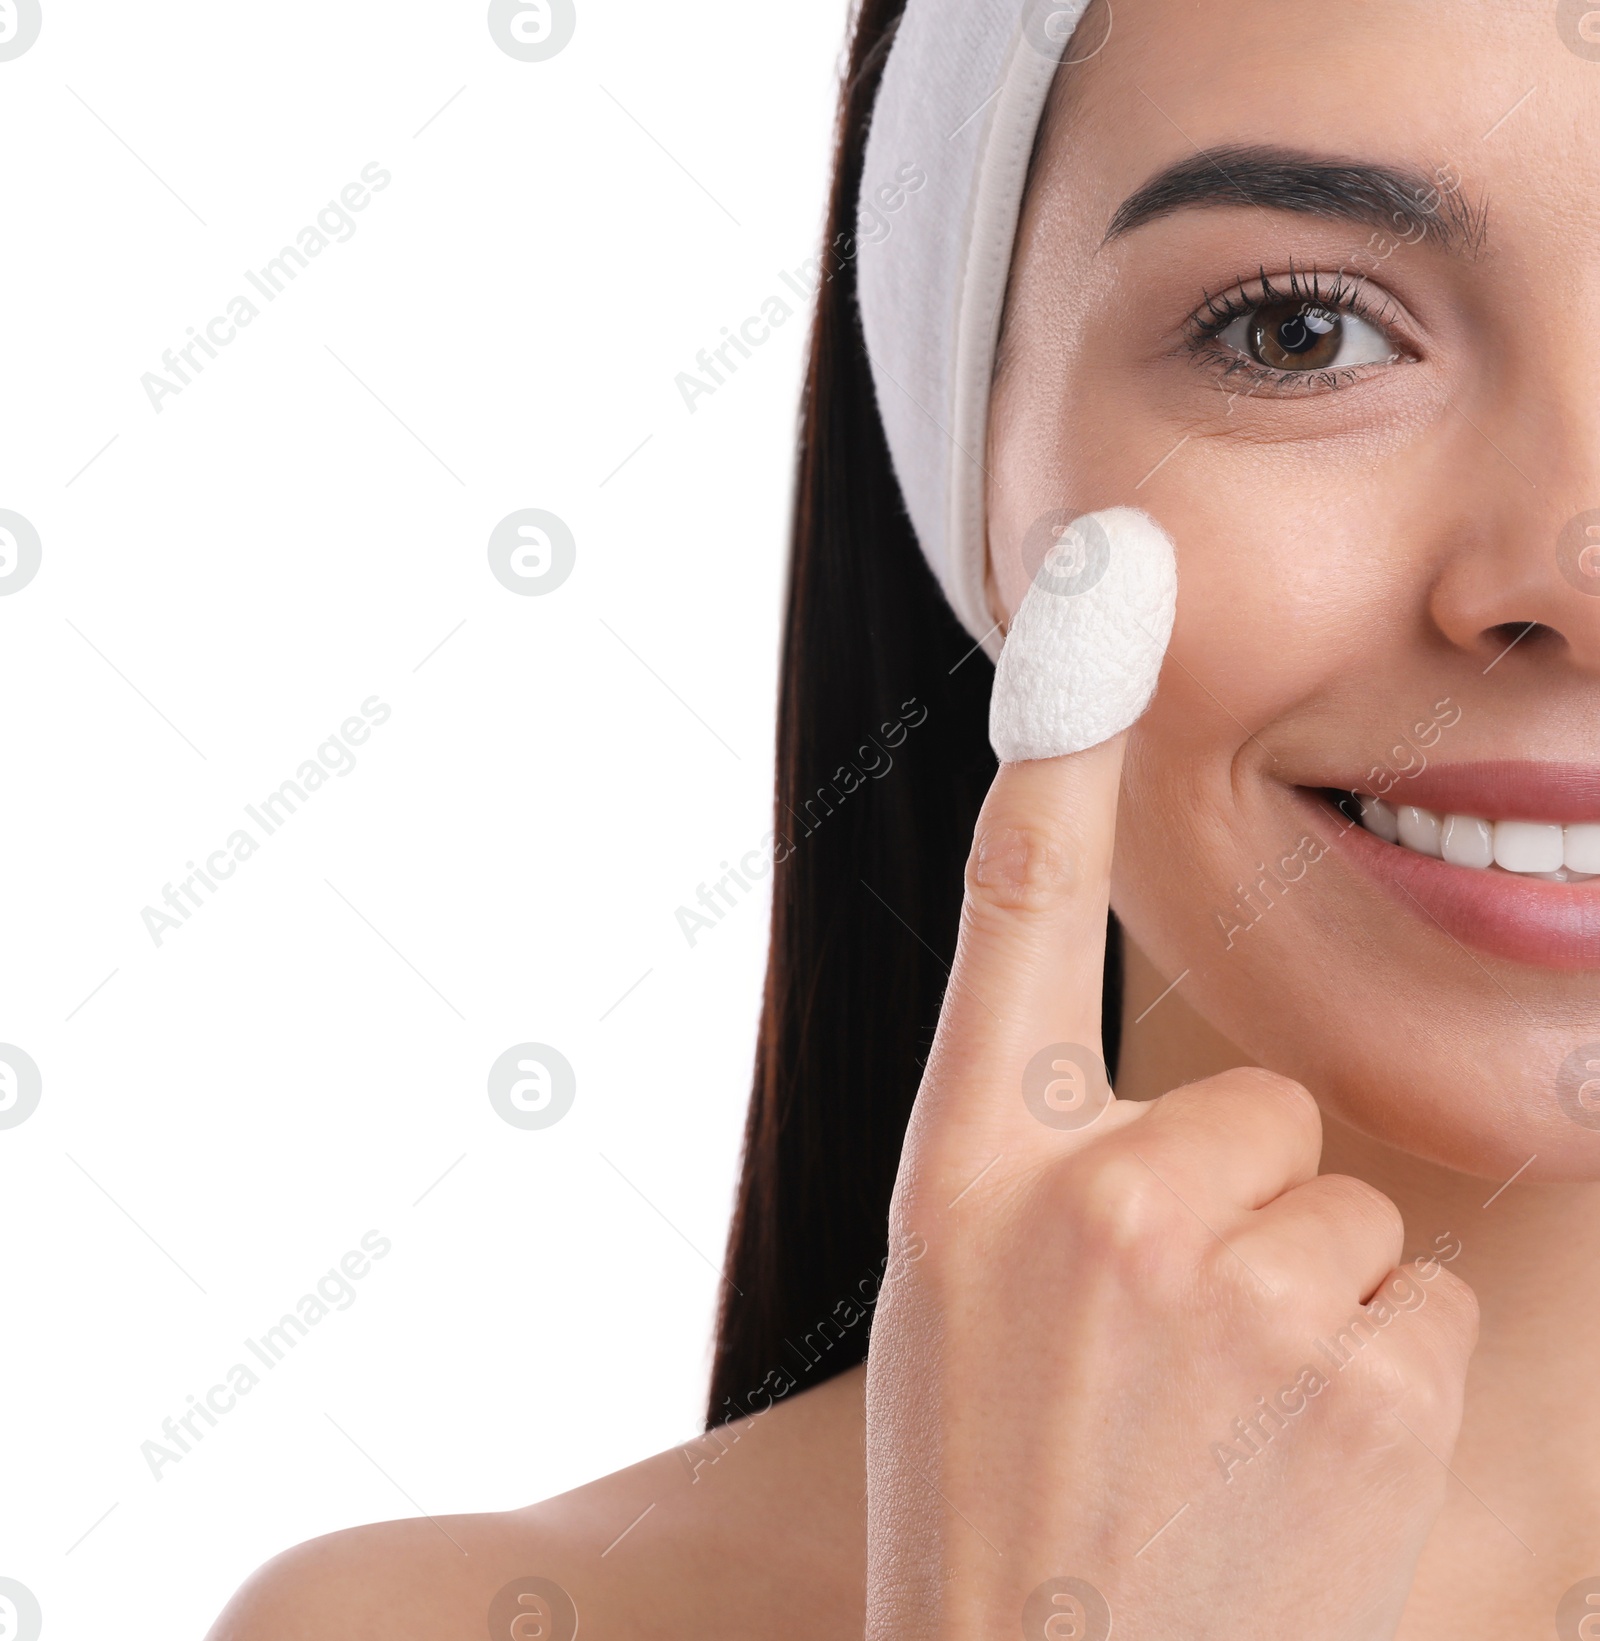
{"x": 1551, "y": 925}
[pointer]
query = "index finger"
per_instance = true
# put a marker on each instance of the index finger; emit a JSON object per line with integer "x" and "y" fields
{"x": 1029, "y": 965}
{"x": 1019, "y": 1039}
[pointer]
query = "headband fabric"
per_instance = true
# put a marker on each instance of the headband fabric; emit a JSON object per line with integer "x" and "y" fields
{"x": 953, "y": 129}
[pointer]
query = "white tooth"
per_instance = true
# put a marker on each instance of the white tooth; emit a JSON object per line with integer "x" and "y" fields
{"x": 1467, "y": 841}
{"x": 1419, "y": 830}
{"x": 1379, "y": 819}
{"x": 1583, "y": 848}
{"x": 1527, "y": 846}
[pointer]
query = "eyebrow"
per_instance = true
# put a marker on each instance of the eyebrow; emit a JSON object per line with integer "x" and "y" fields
{"x": 1408, "y": 203}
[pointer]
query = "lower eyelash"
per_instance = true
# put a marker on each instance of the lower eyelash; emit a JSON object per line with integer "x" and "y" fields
{"x": 1226, "y": 364}
{"x": 1219, "y": 312}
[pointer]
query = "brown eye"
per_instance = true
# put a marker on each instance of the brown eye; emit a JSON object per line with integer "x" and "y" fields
{"x": 1294, "y": 336}
{"x": 1299, "y": 337}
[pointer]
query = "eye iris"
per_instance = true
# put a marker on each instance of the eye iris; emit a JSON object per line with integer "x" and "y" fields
{"x": 1296, "y": 336}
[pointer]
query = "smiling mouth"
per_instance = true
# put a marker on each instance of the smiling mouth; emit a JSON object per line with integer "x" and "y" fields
{"x": 1549, "y": 851}
{"x": 1502, "y": 857}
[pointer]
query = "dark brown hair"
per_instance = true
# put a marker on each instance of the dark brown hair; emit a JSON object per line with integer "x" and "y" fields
{"x": 882, "y": 763}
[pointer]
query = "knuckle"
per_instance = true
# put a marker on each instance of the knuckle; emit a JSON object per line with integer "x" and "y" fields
{"x": 1378, "y": 1378}
{"x": 1365, "y": 1203}
{"x": 1274, "y": 1097}
{"x": 1116, "y": 1205}
{"x": 1018, "y": 868}
{"x": 1429, "y": 1400}
{"x": 1458, "y": 1301}
{"x": 1257, "y": 1270}
{"x": 1392, "y": 1386}
{"x": 1269, "y": 1095}
{"x": 1269, "y": 1085}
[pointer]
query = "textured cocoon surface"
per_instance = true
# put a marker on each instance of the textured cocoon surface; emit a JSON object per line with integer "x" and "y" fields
{"x": 1082, "y": 657}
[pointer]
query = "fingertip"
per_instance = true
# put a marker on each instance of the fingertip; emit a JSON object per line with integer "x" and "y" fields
{"x": 1084, "y": 651}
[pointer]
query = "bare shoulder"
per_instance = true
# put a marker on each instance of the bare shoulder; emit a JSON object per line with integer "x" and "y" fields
{"x": 760, "y": 1528}
{"x": 392, "y": 1578}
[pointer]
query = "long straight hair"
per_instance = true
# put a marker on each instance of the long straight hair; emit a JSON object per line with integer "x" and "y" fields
{"x": 883, "y": 761}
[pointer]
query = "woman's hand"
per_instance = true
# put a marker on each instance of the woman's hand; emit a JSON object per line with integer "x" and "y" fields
{"x": 1142, "y": 1364}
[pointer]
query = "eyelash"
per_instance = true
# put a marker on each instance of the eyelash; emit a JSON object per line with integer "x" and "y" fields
{"x": 1214, "y": 317}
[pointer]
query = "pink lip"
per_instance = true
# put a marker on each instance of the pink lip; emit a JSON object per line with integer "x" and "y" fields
{"x": 1501, "y": 791}
{"x": 1550, "y": 925}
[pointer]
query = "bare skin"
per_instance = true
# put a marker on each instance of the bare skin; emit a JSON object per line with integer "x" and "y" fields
{"x": 762, "y": 1532}
{"x": 1347, "y": 558}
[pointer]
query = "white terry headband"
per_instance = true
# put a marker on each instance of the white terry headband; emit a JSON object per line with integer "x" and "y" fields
{"x": 962, "y": 96}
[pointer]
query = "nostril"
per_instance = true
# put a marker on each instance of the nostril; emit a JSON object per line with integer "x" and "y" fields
{"x": 1525, "y": 635}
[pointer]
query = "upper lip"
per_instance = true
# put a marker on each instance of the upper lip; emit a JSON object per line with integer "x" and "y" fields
{"x": 1509, "y": 790}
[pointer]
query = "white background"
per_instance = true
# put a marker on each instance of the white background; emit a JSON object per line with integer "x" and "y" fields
{"x": 302, "y": 528}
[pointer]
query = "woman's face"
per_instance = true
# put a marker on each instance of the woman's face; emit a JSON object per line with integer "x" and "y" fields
{"x": 1381, "y": 507}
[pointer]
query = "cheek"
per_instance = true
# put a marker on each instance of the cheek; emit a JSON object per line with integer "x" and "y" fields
{"x": 1318, "y": 537}
{"x": 1292, "y": 605}
{"x": 1281, "y": 591}
{"x": 1287, "y": 580}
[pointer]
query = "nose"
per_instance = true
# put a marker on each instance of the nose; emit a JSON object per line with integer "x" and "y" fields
{"x": 1520, "y": 586}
